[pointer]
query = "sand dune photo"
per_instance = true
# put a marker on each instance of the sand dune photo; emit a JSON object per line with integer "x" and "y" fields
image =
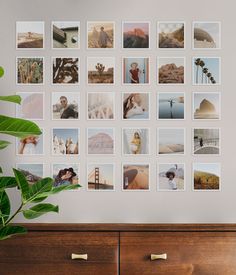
{"x": 136, "y": 177}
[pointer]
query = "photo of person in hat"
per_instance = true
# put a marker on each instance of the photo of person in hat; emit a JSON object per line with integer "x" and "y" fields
{"x": 65, "y": 176}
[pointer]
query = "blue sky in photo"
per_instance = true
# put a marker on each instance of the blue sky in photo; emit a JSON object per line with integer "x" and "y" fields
{"x": 23, "y": 27}
{"x": 34, "y": 168}
{"x": 171, "y": 136}
{"x": 106, "y": 171}
{"x": 66, "y": 133}
{"x": 213, "y": 168}
{"x": 213, "y": 65}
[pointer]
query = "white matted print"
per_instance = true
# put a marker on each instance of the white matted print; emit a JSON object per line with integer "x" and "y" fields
{"x": 136, "y": 106}
{"x": 101, "y": 141}
{"x": 171, "y": 177}
{"x": 30, "y": 35}
{"x": 65, "y": 141}
{"x": 32, "y": 171}
{"x": 65, "y": 35}
{"x": 171, "y": 70}
{"x": 171, "y": 141}
{"x": 135, "y": 35}
{"x": 171, "y": 35}
{"x": 101, "y": 70}
{"x": 30, "y": 70}
{"x": 135, "y": 70}
{"x": 65, "y": 70}
{"x": 31, "y": 107}
{"x": 100, "y": 106}
{"x": 206, "y": 176}
{"x": 136, "y": 141}
{"x": 206, "y": 105}
{"x": 100, "y": 35}
{"x": 100, "y": 177}
{"x": 206, "y": 35}
{"x": 64, "y": 174}
{"x": 171, "y": 105}
{"x": 206, "y": 141}
{"x": 206, "y": 71}
{"x": 65, "y": 106}
{"x": 136, "y": 177}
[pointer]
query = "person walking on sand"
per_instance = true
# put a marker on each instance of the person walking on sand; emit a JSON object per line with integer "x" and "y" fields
{"x": 134, "y": 73}
{"x": 103, "y": 38}
{"x": 201, "y": 142}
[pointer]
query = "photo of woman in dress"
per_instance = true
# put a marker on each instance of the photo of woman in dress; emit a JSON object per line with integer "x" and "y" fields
{"x": 136, "y": 143}
{"x": 134, "y": 72}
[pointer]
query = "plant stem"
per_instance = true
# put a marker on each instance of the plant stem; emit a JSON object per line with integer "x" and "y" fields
{"x": 13, "y": 216}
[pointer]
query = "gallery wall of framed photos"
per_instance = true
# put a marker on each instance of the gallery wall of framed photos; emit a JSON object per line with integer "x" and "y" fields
{"x": 130, "y": 105}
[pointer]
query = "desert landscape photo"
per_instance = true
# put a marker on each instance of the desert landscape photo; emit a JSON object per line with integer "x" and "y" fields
{"x": 32, "y": 171}
{"x": 171, "y": 34}
{"x": 136, "y": 177}
{"x": 136, "y": 35}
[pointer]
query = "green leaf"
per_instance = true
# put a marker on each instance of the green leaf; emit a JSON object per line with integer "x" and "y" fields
{"x": 58, "y": 189}
{"x": 11, "y": 98}
{"x": 42, "y": 186}
{"x": 5, "y": 207}
{"x": 1, "y": 170}
{"x": 39, "y": 210}
{"x": 7, "y": 182}
{"x": 4, "y": 144}
{"x": 18, "y": 127}
{"x": 1, "y": 71}
{"x": 23, "y": 184}
{"x": 9, "y": 231}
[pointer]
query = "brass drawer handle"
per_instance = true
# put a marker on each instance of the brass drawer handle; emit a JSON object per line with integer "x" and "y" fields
{"x": 158, "y": 257}
{"x": 79, "y": 256}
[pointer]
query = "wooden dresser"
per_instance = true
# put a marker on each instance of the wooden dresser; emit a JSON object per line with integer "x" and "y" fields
{"x": 125, "y": 249}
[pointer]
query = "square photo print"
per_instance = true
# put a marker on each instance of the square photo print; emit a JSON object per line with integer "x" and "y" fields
{"x": 136, "y": 177}
{"x": 101, "y": 176}
{"x": 65, "y": 174}
{"x": 32, "y": 171}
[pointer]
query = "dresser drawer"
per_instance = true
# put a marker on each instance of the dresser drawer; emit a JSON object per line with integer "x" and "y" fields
{"x": 47, "y": 253}
{"x": 200, "y": 253}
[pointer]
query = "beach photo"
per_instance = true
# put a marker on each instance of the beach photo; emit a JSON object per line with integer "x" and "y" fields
{"x": 32, "y": 171}
{"x": 206, "y": 176}
{"x": 65, "y": 35}
{"x": 171, "y": 177}
{"x": 136, "y": 35}
{"x": 101, "y": 141}
{"x": 65, "y": 174}
{"x": 30, "y": 145}
{"x": 100, "y": 70}
{"x": 135, "y": 141}
{"x": 31, "y": 107}
{"x": 136, "y": 106}
{"x": 100, "y": 35}
{"x": 171, "y": 141}
{"x": 206, "y": 71}
{"x": 206, "y": 35}
{"x": 171, "y": 35}
{"x": 206, "y": 105}
{"x": 135, "y": 177}
{"x": 65, "y": 141}
{"x": 29, "y": 35}
{"x": 171, "y": 70}
{"x": 29, "y": 70}
{"x": 136, "y": 70}
{"x": 100, "y": 176}
{"x": 171, "y": 105}
{"x": 65, "y": 105}
{"x": 65, "y": 70}
{"x": 206, "y": 141}
{"x": 100, "y": 106}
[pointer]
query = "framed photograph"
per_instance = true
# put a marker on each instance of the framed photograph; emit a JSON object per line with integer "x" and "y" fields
{"x": 170, "y": 141}
{"x": 65, "y": 35}
{"x": 100, "y": 35}
{"x": 171, "y": 177}
{"x": 206, "y": 106}
{"x": 136, "y": 70}
{"x": 101, "y": 70}
{"x": 30, "y": 35}
{"x": 136, "y": 106}
{"x": 206, "y": 35}
{"x": 100, "y": 177}
{"x": 136, "y": 35}
{"x": 136, "y": 177}
{"x": 136, "y": 141}
{"x": 206, "y": 176}
{"x": 64, "y": 174}
{"x": 206, "y": 141}
{"x": 206, "y": 71}
{"x": 65, "y": 106}
{"x": 171, "y": 70}
{"x": 100, "y": 106}
{"x": 31, "y": 145}
{"x": 65, "y": 70}
{"x": 29, "y": 70}
{"x": 31, "y": 107}
{"x": 171, "y": 106}
{"x": 101, "y": 141}
{"x": 171, "y": 35}
{"x": 32, "y": 171}
{"x": 65, "y": 141}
